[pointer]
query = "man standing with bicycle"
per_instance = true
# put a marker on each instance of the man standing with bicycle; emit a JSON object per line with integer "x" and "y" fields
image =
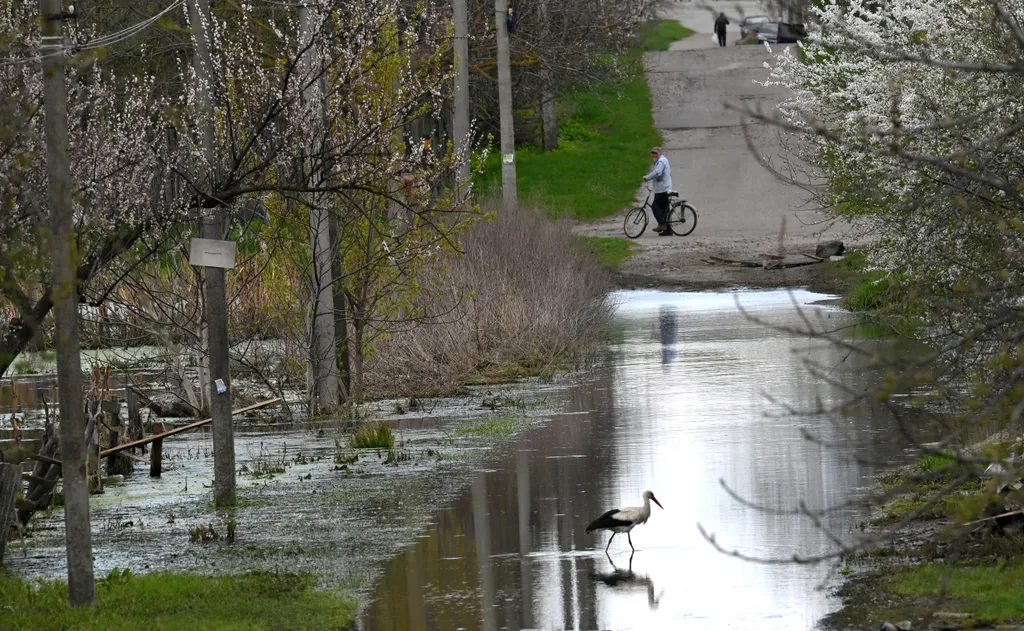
{"x": 661, "y": 176}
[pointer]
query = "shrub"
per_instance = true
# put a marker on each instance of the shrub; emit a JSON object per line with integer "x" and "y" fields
{"x": 521, "y": 299}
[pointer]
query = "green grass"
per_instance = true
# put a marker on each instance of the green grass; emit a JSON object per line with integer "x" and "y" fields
{"x": 493, "y": 428}
{"x": 989, "y": 593}
{"x": 377, "y": 436}
{"x": 605, "y": 138}
{"x": 993, "y": 594}
{"x": 125, "y": 602}
{"x": 611, "y": 252}
{"x": 658, "y": 36}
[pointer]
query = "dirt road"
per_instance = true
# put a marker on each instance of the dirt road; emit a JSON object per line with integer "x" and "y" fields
{"x": 741, "y": 204}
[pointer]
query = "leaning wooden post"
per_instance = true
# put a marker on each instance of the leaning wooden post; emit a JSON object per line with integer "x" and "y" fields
{"x": 155, "y": 455}
{"x": 10, "y": 479}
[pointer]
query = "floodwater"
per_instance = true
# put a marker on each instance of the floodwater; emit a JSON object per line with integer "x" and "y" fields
{"x": 679, "y": 405}
{"x": 459, "y": 530}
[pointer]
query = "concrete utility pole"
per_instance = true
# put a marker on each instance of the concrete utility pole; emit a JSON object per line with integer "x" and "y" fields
{"x": 323, "y": 360}
{"x": 548, "y": 109}
{"x": 78, "y": 535}
{"x": 224, "y": 493}
{"x": 508, "y": 140}
{"x": 460, "y": 15}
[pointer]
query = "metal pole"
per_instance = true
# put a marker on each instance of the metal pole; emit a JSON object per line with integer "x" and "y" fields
{"x": 224, "y": 493}
{"x": 508, "y": 141}
{"x": 78, "y": 535}
{"x": 460, "y": 15}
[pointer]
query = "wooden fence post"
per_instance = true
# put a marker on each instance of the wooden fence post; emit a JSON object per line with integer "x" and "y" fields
{"x": 155, "y": 455}
{"x": 10, "y": 479}
{"x": 135, "y": 431}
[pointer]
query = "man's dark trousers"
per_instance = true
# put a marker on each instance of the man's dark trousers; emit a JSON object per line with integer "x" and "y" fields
{"x": 660, "y": 208}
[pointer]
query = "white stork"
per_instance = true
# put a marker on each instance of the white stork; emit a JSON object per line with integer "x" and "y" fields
{"x": 620, "y": 520}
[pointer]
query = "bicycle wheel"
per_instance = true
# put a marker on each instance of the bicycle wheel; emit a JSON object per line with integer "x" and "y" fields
{"x": 635, "y": 223}
{"x": 682, "y": 219}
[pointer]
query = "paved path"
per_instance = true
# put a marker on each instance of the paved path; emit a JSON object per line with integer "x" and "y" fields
{"x": 742, "y": 205}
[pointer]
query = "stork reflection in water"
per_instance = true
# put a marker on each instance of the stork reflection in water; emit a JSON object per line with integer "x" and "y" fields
{"x": 627, "y": 580}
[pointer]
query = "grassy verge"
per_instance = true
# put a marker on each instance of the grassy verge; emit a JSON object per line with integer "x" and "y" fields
{"x": 605, "y": 136}
{"x": 659, "y": 36}
{"x": 178, "y": 601}
{"x": 608, "y": 251}
{"x": 977, "y": 596}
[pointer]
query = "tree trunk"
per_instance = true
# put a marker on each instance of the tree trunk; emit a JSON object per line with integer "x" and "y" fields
{"x": 358, "y": 326}
{"x": 548, "y": 109}
{"x": 323, "y": 360}
{"x": 10, "y": 481}
{"x": 63, "y": 245}
{"x": 549, "y": 120}
{"x": 340, "y": 315}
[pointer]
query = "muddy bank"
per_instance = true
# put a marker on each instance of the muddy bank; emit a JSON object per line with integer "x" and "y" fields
{"x": 698, "y": 275}
{"x": 938, "y": 570}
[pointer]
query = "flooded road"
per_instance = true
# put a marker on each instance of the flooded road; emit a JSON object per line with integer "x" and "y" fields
{"x": 677, "y": 404}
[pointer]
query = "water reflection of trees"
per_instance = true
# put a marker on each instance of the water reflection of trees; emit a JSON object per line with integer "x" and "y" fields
{"x": 525, "y": 513}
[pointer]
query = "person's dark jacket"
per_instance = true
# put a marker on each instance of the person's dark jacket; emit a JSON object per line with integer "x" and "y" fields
{"x": 721, "y": 23}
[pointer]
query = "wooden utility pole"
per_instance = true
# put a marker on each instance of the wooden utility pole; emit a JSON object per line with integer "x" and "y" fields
{"x": 78, "y": 534}
{"x": 508, "y": 140}
{"x": 460, "y": 15}
{"x": 224, "y": 492}
{"x": 323, "y": 350}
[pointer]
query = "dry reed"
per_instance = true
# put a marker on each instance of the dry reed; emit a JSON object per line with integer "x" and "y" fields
{"x": 522, "y": 299}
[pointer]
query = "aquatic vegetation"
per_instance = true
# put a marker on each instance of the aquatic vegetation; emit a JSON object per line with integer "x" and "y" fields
{"x": 201, "y": 533}
{"x": 377, "y": 436}
{"x": 501, "y": 427}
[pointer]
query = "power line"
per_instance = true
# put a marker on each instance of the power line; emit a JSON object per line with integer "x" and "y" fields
{"x": 99, "y": 42}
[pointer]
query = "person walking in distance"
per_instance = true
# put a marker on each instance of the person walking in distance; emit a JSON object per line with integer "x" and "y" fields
{"x": 661, "y": 177}
{"x": 720, "y": 25}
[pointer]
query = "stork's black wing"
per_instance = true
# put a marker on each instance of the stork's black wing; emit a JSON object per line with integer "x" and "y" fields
{"x": 606, "y": 521}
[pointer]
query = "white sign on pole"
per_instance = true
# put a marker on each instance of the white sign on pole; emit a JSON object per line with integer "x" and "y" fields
{"x": 212, "y": 253}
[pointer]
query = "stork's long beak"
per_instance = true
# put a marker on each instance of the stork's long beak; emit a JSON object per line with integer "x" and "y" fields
{"x": 655, "y": 500}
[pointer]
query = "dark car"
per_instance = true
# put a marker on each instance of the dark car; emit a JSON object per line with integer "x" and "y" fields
{"x": 747, "y": 26}
{"x": 780, "y": 33}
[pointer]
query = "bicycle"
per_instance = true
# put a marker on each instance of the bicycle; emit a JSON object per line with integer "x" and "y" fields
{"x": 682, "y": 217}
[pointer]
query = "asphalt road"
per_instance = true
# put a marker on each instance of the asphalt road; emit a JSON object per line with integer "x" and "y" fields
{"x": 718, "y": 164}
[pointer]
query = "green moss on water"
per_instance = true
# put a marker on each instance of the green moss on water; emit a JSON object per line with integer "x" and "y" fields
{"x": 126, "y": 602}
